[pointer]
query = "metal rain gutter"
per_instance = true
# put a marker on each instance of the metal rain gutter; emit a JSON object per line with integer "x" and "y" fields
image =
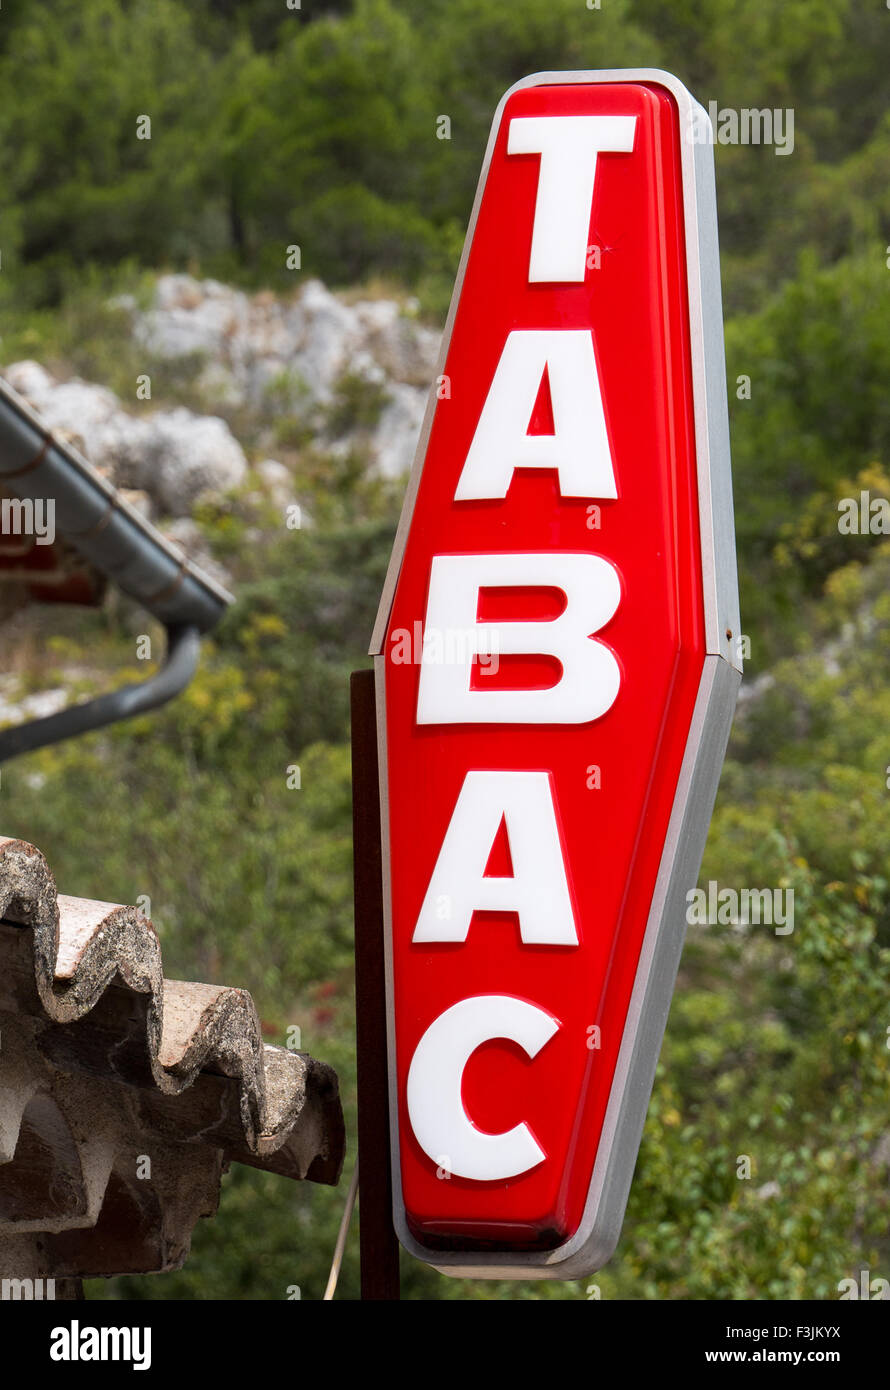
{"x": 122, "y": 545}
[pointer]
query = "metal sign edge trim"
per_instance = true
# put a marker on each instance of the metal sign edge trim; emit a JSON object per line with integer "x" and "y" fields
{"x": 598, "y": 1233}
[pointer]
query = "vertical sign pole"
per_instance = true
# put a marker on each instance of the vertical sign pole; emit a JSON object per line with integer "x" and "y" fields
{"x": 379, "y": 1248}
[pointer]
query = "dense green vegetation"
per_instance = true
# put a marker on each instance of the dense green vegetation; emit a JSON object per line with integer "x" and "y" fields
{"x": 318, "y": 127}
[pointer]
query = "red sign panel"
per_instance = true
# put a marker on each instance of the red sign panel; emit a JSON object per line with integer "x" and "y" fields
{"x": 549, "y": 666}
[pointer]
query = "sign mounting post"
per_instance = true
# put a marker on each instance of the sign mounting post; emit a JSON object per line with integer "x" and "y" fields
{"x": 556, "y": 666}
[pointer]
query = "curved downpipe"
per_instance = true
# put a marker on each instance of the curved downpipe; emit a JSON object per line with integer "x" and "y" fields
{"x": 183, "y": 647}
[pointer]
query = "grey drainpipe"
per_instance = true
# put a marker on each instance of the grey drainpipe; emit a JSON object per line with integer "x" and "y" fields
{"x": 121, "y": 544}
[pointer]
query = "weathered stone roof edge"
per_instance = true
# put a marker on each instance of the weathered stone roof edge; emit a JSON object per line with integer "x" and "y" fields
{"x": 81, "y": 948}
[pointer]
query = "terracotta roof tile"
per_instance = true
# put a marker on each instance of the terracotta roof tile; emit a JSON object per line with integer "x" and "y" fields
{"x": 103, "y": 1061}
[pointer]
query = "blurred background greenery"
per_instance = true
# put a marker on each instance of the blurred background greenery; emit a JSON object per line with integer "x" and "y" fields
{"x": 317, "y": 126}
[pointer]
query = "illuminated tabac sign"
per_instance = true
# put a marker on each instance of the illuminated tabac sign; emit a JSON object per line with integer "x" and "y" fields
{"x": 556, "y": 669}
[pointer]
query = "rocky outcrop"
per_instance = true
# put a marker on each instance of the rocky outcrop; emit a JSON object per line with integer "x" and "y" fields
{"x": 260, "y": 355}
{"x": 299, "y": 349}
{"x": 257, "y": 358}
{"x": 173, "y": 456}
{"x": 251, "y": 342}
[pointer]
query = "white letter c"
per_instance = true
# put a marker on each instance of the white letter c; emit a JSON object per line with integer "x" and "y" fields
{"x": 442, "y": 1126}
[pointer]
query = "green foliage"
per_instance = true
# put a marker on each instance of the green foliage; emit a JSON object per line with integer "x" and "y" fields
{"x": 818, "y": 356}
{"x": 81, "y": 184}
{"x": 319, "y": 127}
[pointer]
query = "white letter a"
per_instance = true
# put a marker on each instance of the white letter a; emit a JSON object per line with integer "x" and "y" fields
{"x": 578, "y": 448}
{"x": 538, "y": 890}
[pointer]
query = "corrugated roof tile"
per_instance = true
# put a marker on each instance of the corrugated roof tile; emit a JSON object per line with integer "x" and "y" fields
{"x": 105, "y": 1061}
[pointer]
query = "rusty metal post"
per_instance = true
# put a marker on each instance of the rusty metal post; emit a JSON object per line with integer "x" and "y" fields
{"x": 379, "y": 1248}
